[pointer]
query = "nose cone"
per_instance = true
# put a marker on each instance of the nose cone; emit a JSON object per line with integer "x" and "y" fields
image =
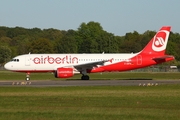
{"x": 7, "y": 66}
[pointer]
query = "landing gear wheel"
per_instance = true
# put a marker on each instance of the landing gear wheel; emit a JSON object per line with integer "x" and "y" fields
{"x": 27, "y": 78}
{"x": 85, "y": 77}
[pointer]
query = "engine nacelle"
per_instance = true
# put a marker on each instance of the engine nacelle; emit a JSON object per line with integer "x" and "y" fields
{"x": 64, "y": 73}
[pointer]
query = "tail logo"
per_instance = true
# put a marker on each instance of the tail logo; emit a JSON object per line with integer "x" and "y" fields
{"x": 160, "y": 41}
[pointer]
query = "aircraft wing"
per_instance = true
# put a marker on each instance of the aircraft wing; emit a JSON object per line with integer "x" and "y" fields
{"x": 90, "y": 65}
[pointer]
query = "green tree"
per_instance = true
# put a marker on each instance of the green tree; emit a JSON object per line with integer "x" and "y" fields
{"x": 5, "y": 54}
{"x": 91, "y": 38}
{"x": 2, "y": 32}
{"x": 146, "y": 37}
{"x": 40, "y": 45}
{"x": 5, "y": 41}
{"x": 67, "y": 45}
{"x": 52, "y": 34}
{"x": 131, "y": 42}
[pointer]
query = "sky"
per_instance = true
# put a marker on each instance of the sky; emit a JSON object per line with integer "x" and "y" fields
{"x": 115, "y": 16}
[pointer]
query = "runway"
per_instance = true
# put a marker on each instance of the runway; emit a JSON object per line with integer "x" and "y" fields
{"x": 49, "y": 83}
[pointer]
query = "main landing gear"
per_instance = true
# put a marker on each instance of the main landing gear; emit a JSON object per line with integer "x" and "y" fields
{"x": 85, "y": 77}
{"x": 27, "y": 76}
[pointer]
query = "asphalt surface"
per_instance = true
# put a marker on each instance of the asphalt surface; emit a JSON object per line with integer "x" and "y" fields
{"x": 49, "y": 83}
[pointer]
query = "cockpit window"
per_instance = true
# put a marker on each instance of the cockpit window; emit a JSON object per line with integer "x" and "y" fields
{"x": 15, "y": 60}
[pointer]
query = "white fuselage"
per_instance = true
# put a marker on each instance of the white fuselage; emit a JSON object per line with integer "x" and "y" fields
{"x": 50, "y": 62}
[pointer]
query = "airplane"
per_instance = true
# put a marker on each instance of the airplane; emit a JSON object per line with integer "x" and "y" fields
{"x": 67, "y": 65}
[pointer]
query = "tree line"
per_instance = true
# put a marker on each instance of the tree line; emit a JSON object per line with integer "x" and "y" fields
{"x": 88, "y": 38}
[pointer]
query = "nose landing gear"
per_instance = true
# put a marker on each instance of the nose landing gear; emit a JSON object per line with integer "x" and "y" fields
{"x": 27, "y": 76}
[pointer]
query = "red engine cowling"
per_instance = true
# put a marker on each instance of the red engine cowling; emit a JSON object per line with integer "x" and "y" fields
{"x": 64, "y": 73}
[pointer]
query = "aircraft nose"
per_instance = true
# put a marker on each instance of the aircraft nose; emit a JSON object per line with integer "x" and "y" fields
{"x": 7, "y": 66}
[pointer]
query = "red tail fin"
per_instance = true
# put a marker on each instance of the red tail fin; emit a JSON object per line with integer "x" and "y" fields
{"x": 158, "y": 43}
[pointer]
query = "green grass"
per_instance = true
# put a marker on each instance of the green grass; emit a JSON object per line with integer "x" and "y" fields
{"x": 87, "y": 103}
{"x": 7, "y": 75}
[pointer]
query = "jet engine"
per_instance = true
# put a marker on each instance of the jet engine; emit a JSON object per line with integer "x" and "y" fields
{"x": 64, "y": 73}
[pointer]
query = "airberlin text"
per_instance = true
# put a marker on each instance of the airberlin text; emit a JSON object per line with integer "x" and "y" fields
{"x": 55, "y": 60}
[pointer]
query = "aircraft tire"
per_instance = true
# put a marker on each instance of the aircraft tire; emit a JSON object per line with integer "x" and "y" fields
{"x": 27, "y": 78}
{"x": 85, "y": 77}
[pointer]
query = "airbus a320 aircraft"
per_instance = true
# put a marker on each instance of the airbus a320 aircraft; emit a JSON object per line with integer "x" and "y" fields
{"x": 66, "y": 65}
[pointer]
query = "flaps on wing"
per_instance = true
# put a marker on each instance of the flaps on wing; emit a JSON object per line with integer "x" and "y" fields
{"x": 90, "y": 65}
{"x": 163, "y": 58}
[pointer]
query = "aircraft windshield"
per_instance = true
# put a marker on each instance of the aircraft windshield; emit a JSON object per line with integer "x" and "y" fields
{"x": 15, "y": 60}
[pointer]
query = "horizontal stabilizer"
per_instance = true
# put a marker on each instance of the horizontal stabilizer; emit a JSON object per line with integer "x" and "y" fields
{"x": 163, "y": 58}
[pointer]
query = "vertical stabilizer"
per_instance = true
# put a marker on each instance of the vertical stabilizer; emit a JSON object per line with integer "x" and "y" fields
{"x": 158, "y": 43}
